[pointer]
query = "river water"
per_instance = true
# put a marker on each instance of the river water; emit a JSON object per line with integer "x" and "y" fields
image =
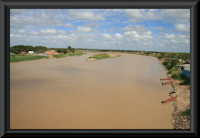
{"x": 72, "y": 93}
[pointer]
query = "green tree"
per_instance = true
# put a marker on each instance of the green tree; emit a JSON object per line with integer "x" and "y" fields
{"x": 59, "y": 50}
{"x": 174, "y": 62}
{"x": 64, "y": 51}
{"x": 69, "y": 48}
{"x": 40, "y": 49}
{"x": 171, "y": 55}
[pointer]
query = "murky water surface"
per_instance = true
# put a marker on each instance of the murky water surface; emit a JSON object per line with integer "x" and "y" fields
{"x": 70, "y": 93}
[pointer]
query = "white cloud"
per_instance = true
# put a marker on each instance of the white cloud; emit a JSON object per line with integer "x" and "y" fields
{"x": 169, "y": 36}
{"x": 182, "y": 27}
{"x": 136, "y": 27}
{"x": 106, "y": 36}
{"x": 85, "y": 15}
{"x": 11, "y": 35}
{"x": 47, "y": 16}
{"x": 138, "y": 15}
{"x": 21, "y": 31}
{"x": 69, "y": 25}
{"x": 48, "y": 31}
{"x": 83, "y": 29}
{"x": 160, "y": 28}
{"x": 61, "y": 31}
{"x": 131, "y": 33}
{"x": 176, "y": 13}
{"x": 34, "y": 33}
{"x": 180, "y": 36}
{"x": 92, "y": 24}
{"x": 119, "y": 36}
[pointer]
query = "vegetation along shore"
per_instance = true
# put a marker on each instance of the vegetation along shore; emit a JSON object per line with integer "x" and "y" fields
{"x": 25, "y": 53}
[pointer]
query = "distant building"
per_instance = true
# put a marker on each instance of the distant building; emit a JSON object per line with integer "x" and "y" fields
{"x": 23, "y": 52}
{"x": 180, "y": 60}
{"x": 183, "y": 66}
{"x": 41, "y": 54}
{"x": 31, "y": 52}
{"x": 186, "y": 73}
{"x": 51, "y": 52}
{"x": 11, "y": 53}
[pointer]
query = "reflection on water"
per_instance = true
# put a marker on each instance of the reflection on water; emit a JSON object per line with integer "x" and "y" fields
{"x": 69, "y": 93}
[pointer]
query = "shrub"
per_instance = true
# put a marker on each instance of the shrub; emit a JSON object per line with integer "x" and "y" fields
{"x": 64, "y": 51}
{"x": 165, "y": 62}
{"x": 179, "y": 76}
{"x": 174, "y": 62}
{"x": 175, "y": 76}
{"x": 171, "y": 70}
{"x": 169, "y": 66}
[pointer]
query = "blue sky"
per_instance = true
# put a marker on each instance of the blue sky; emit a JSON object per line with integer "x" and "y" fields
{"x": 166, "y": 30}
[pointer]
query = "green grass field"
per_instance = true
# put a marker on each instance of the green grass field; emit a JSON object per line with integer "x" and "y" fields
{"x": 18, "y": 58}
{"x": 101, "y": 56}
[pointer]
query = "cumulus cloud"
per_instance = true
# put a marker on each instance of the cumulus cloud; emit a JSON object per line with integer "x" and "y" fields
{"x": 83, "y": 29}
{"x": 61, "y": 31}
{"x": 176, "y": 13}
{"x": 85, "y": 15}
{"x": 47, "y": 16}
{"x": 69, "y": 25}
{"x": 31, "y": 20}
{"x": 107, "y": 36}
{"x": 48, "y": 31}
{"x": 119, "y": 36}
{"x": 34, "y": 33}
{"x": 182, "y": 27}
{"x": 169, "y": 36}
{"x": 138, "y": 15}
{"x": 160, "y": 28}
{"x": 92, "y": 24}
{"x": 181, "y": 36}
{"x": 136, "y": 27}
{"x": 21, "y": 31}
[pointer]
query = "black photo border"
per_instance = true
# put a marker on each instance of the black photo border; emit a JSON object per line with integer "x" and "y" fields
{"x": 6, "y": 5}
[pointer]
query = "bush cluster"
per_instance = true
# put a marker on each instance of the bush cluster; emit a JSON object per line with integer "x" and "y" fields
{"x": 171, "y": 70}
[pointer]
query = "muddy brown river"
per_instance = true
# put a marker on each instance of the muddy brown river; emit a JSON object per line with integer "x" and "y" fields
{"x": 72, "y": 93}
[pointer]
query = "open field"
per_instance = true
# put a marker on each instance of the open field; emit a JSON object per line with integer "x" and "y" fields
{"x": 70, "y": 93}
{"x": 18, "y": 58}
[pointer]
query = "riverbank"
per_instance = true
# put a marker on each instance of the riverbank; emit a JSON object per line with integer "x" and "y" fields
{"x": 181, "y": 103}
{"x": 19, "y": 58}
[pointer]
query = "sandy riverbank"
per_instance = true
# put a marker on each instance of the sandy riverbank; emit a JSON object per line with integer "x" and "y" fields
{"x": 181, "y": 103}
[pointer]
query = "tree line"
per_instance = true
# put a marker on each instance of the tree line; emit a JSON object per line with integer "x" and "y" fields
{"x": 38, "y": 49}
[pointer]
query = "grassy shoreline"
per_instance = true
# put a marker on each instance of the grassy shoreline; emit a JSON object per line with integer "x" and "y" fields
{"x": 100, "y": 56}
{"x": 19, "y": 58}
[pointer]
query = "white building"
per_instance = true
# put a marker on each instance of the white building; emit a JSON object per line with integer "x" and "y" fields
{"x": 31, "y": 52}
